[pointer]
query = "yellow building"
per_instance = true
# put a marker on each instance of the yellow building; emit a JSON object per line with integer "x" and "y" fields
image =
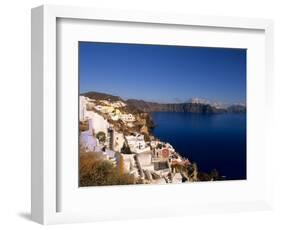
{"x": 107, "y": 109}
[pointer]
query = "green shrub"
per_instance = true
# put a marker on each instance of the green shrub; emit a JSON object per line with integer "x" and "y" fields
{"x": 101, "y": 137}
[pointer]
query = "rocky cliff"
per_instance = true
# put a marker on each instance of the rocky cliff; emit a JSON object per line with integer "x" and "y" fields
{"x": 102, "y": 96}
{"x": 176, "y": 107}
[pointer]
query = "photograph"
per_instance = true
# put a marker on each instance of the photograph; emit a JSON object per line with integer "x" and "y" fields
{"x": 161, "y": 114}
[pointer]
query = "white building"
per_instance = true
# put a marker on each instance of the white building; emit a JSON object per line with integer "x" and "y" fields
{"x": 127, "y": 117}
{"x": 129, "y": 164}
{"x": 107, "y": 109}
{"x": 118, "y": 104}
{"x": 98, "y": 107}
{"x": 154, "y": 143}
{"x": 114, "y": 116}
{"x": 118, "y": 141}
{"x": 98, "y": 124}
{"x": 137, "y": 143}
{"x": 170, "y": 147}
{"x": 145, "y": 160}
{"x": 84, "y": 113}
{"x": 83, "y": 108}
{"x": 88, "y": 115}
{"x": 88, "y": 142}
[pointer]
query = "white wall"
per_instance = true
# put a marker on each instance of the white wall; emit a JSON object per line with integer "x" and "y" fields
{"x": 98, "y": 124}
{"x": 15, "y": 103}
{"x": 82, "y": 108}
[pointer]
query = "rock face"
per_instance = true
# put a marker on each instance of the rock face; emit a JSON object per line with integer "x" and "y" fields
{"x": 236, "y": 109}
{"x": 102, "y": 96}
{"x": 178, "y": 107}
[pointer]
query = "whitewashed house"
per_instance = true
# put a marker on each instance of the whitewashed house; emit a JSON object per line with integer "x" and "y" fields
{"x": 86, "y": 115}
{"x": 145, "y": 160}
{"x": 114, "y": 117}
{"x": 137, "y": 144}
{"x": 98, "y": 124}
{"x": 118, "y": 104}
{"x": 154, "y": 143}
{"x": 98, "y": 107}
{"x": 89, "y": 142}
{"x": 127, "y": 117}
{"x": 119, "y": 141}
{"x": 107, "y": 109}
{"x": 170, "y": 147}
{"x": 82, "y": 108}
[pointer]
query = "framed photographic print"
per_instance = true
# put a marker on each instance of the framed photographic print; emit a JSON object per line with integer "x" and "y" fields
{"x": 140, "y": 114}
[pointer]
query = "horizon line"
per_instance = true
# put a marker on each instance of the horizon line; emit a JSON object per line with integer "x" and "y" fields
{"x": 208, "y": 101}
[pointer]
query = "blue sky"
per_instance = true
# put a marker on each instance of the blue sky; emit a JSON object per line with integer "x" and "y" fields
{"x": 163, "y": 73}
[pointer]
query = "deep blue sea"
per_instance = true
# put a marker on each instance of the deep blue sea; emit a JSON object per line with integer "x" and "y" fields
{"x": 213, "y": 141}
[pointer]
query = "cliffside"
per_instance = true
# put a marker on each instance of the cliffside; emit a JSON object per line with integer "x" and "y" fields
{"x": 177, "y": 107}
{"x": 102, "y": 96}
{"x": 236, "y": 109}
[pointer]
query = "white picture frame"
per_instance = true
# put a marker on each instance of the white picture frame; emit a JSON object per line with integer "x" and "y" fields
{"x": 46, "y": 173}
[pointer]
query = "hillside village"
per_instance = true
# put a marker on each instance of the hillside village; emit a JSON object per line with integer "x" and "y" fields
{"x": 121, "y": 135}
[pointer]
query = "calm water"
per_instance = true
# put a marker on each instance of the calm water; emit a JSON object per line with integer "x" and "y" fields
{"x": 216, "y": 141}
